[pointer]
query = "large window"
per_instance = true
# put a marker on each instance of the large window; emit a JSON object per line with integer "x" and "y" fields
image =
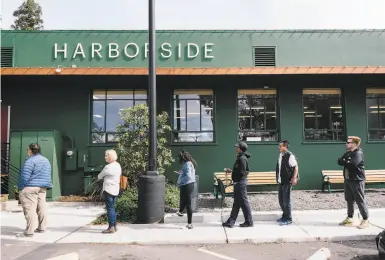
{"x": 257, "y": 115}
{"x": 323, "y": 115}
{"x": 193, "y": 113}
{"x": 106, "y": 105}
{"x": 375, "y": 102}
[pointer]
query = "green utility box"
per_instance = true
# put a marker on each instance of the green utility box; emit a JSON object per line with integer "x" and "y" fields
{"x": 50, "y": 142}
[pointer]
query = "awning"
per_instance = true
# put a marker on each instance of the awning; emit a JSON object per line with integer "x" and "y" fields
{"x": 197, "y": 71}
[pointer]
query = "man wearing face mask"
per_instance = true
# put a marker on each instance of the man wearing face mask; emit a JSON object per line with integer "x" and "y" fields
{"x": 239, "y": 177}
{"x": 354, "y": 184}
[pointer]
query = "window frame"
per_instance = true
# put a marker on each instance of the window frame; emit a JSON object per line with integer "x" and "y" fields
{"x": 91, "y": 110}
{"x": 343, "y": 109}
{"x": 380, "y": 95}
{"x": 277, "y": 113}
{"x": 172, "y": 113}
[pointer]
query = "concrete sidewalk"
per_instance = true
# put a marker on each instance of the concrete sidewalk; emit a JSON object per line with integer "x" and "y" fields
{"x": 68, "y": 224}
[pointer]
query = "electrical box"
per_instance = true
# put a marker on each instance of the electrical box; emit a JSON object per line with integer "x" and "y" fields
{"x": 71, "y": 160}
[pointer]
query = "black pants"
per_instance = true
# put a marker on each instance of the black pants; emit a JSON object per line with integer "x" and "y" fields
{"x": 185, "y": 200}
{"x": 284, "y": 198}
{"x": 355, "y": 192}
{"x": 240, "y": 201}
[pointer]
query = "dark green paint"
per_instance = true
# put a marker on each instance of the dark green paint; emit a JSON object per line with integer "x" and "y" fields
{"x": 62, "y": 103}
{"x": 231, "y": 48}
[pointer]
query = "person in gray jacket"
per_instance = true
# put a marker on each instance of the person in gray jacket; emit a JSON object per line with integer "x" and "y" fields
{"x": 111, "y": 185}
{"x": 354, "y": 184}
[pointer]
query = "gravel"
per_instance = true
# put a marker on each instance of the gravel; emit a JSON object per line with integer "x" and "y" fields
{"x": 301, "y": 200}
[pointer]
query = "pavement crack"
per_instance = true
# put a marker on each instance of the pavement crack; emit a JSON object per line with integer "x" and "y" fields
{"x": 67, "y": 235}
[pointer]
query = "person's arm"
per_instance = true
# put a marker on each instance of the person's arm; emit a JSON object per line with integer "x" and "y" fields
{"x": 354, "y": 160}
{"x": 25, "y": 174}
{"x": 293, "y": 163}
{"x": 342, "y": 159}
{"x": 103, "y": 173}
{"x": 242, "y": 166}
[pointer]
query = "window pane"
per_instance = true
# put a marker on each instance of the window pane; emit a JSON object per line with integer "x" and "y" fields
{"x": 270, "y": 114}
{"x": 141, "y": 94}
{"x": 113, "y": 109}
{"x": 98, "y": 138}
{"x": 372, "y": 108}
{"x": 377, "y": 134}
{"x": 98, "y": 115}
{"x": 193, "y": 115}
{"x": 99, "y": 94}
{"x": 120, "y": 94}
{"x": 257, "y": 109}
{"x": 244, "y": 119}
{"x": 138, "y": 102}
{"x": 180, "y": 115}
{"x": 323, "y": 114}
{"x": 192, "y": 93}
{"x": 193, "y": 137}
{"x": 262, "y": 136}
{"x": 207, "y": 114}
{"x": 382, "y": 113}
{"x": 112, "y": 138}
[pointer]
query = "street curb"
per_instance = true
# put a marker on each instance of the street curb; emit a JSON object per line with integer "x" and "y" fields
{"x": 322, "y": 254}
{"x": 71, "y": 256}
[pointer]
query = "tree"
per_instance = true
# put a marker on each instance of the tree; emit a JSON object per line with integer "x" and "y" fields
{"x": 28, "y": 16}
{"x": 132, "y": 146}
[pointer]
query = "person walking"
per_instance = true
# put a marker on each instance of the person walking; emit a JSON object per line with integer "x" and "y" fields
{"x": 35, "y": 179}
{"x": 287, "y": 176}
{"x": 111, "y": 185}
{"x": 239, "y": 177}
{"x": 354, "y": 181}
{"x": 186, "y": 182}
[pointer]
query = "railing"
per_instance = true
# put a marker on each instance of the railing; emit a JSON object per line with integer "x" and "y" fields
{"x": 9, "y": 173}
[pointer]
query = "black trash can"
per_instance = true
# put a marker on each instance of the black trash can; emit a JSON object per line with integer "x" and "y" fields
{"x": 195, "y": 195}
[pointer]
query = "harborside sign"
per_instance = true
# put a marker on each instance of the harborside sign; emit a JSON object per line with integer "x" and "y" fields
{"x": 132, "y": 51}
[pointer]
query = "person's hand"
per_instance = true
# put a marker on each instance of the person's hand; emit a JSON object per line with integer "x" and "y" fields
{"x": 294, "y": 181}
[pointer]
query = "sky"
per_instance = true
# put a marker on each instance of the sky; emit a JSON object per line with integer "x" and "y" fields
{"x": 206, "y": 14}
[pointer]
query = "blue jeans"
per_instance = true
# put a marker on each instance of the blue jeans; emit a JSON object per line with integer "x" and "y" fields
{"x": 110, "y": 205}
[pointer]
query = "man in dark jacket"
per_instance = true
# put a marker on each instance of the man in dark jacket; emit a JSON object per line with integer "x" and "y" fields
{"x": 287, "y": 176}
{"x": 354, "y": 184}
{"x": 239, "y": 177}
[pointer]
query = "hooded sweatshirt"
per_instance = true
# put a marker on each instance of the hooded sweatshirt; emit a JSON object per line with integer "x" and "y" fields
{"x": 241, "y": 167}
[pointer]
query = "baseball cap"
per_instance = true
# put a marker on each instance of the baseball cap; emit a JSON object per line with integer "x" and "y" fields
{"x": 242, "y": 146}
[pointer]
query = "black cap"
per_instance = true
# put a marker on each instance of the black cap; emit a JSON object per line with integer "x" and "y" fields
{"x": 242, "y": 146}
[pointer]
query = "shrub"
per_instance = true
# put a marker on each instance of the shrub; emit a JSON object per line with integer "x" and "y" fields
{"x": 132, "y": 146}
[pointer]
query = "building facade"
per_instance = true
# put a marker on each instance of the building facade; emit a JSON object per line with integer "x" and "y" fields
{"x": 313, "y": 88}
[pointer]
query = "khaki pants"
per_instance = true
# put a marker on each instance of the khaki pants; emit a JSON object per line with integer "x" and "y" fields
{"x": 33, "y": 201}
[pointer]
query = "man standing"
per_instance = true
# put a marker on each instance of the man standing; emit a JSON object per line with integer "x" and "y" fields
{"x": 354, "y": 184}
{"x": 34, "y": 180}
{"x": 287, "y": 175}
{"x": 239, "y": 177}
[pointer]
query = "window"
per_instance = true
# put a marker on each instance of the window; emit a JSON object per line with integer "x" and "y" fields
{"x": 193, "y": 116}
{"x": 323, "y": 115}
{"x": 106, "y": 105}
{"x": 257, "y": 115}
{"x": 375, "y": 103}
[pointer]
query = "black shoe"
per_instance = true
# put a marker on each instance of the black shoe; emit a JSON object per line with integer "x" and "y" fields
{"x": 246, "y": 224}
{"x": 280, "y": 219}
{"x": 180, "y": 214}
{"x": 189, "y": 226}
{"x": 226, "y": 224}
{"x": 39, "y": 231}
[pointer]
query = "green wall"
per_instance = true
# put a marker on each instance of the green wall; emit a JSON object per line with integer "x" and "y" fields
{"x": 230, "y": 48}
{"x": 62, "y": 103}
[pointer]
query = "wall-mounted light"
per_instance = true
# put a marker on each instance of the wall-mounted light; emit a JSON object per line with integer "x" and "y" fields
{"x": 59, "y": 69}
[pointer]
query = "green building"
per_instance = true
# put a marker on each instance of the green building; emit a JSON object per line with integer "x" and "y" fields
{"x": 313, "y": 88}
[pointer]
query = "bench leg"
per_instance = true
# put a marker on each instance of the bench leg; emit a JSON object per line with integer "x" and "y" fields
{"x": 323, "y": 186}
{"x": 329, "y": 187}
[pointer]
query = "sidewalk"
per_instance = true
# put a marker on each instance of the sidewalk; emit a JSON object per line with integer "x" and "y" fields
{"x": 68, "y": 224}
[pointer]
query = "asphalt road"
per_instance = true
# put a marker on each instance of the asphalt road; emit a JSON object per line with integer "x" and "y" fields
{"x": 12, "y": 250}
